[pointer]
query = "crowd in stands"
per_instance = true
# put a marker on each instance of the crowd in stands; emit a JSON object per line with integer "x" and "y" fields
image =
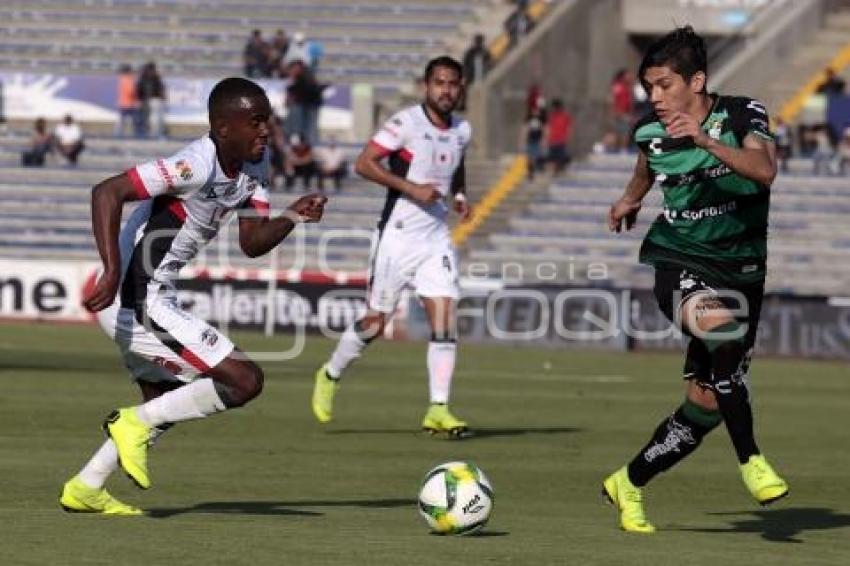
{"x": 141, "y": 101}
{"x": 546, "y": 133}
{"x": 66, "y": 140}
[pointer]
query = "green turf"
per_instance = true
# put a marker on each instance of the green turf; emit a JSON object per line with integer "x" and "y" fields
{"x": 267, "y": 485}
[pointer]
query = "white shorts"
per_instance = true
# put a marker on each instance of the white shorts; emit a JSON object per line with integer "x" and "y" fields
{"x": 397, "y": 262}
{"x": 171, "y": 345}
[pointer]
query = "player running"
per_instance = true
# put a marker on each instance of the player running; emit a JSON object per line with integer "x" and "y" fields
{"x": 715, "y": 160}
{"x": 185, "y": 368}
{"x": 412, "y": 245}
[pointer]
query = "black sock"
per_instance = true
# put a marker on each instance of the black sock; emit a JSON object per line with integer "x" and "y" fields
{"x": 729, "y": 363}
{"x": 677, "y": 436}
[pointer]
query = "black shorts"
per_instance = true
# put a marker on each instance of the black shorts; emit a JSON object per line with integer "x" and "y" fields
{"x": 674, "y": 285}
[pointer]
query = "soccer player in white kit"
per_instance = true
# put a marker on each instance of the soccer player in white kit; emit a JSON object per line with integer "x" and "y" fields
{"x": 412, "y": 245}
{"x": 185, "y": 368}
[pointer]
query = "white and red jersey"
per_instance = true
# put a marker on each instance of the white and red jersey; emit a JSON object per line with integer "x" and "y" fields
{"x": 190, "y": 197}
{"x": 421, "y": 152}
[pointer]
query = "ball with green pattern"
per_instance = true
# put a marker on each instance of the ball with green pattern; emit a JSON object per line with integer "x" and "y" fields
{"x": 456, "y": 498}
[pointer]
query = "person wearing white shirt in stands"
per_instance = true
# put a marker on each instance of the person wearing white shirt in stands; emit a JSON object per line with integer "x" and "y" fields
{"x": 69, "y": 139}
{"x": 332, "y": 164}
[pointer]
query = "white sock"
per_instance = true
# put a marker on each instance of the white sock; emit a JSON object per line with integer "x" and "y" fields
{"x": 441, "y": 368}
{"x": 348, "y": 349}
{"x": 195, "y": 400}
{"x": 101, "y": 465}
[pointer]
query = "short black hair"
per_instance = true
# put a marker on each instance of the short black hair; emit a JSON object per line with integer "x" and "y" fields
{"x": 683, "y": 50}
{"x": 229, "y": 90}
{"x": 443, "y": 61}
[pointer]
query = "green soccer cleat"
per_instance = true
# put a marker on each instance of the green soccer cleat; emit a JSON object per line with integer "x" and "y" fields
{"x": 77, "y": 497}
{"x": 323, "y": 395}
{"x": 763, "y": 482}
{"x": 438, "y": 419}
{"x": 628, "y": 498}
{"x": 131, "y": 438}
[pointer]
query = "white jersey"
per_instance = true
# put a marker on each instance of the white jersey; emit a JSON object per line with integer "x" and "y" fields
{"x": 421, "y": 152}
{"x": 191, "y": 196}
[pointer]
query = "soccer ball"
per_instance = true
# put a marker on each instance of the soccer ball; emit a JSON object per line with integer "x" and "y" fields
{"x": 456, "y": 498}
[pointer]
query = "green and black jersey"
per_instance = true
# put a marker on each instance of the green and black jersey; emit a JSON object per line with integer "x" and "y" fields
{"x": 714, "y": 220}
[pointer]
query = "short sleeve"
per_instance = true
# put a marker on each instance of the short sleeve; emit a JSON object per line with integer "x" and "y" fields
{"x": 179, "y": 174}
{"x": 393, "y": 134}
{"x": 750, "y": 117}
{"x": 257, "y": 205}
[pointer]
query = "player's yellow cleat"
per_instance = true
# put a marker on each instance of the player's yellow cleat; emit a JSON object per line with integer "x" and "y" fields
{"x": 323, "y": 395}
{"x": 77, "y": 497}
{"x": 628, "y": 498}
{"x": 439, "y": 419}
{"x": 131, "y": 438}
{"x": 763, "y": 482}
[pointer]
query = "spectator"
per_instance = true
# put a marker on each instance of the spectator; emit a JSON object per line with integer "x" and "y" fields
{"x": 844, "y": 152}
{"x": 254, "y": 55}
{"x": 331, "y": 164}
{"x": 150, "y": 90}
{"x": 277, "y": 146}
{"x": 126, "y": 101}
{"x": 299, "y": 162}
{"x": 622, "y": 107}
{"x": 533, "y": 136}
{"x": 784, "y": 143}
{"x": 68, "y": 137}
{"x": 476, "y": 60}
{"x": 559, "y": 126}
{"x": 823, "y": 153}
{"x": 518, "y": 23}
{"x": 3, "y": 125}
{"x": 303, "y": 100}
{"x": 534, "y": 100}
{"x": 832, "y": 84}
{"x": 280, "y": 45}
{"x": 41, "y": 143}
{"x": 299, "y": 51}
{"x": 316, "y": 51}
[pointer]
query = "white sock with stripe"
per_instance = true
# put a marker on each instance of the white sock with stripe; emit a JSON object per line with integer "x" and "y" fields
{"x": 348, "y": 349}
{"x": 194, "y": 400}
{"x": 441, "y": 368}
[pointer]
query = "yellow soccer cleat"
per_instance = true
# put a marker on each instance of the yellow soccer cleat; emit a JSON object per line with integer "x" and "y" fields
{"x": 628, "y": 498}
{"x": 763, "y": 482}
{"x": 323, "y": 395}
{"x": 77, "y": 497}
{"x": 438, "y": 419}
{"x": 131, "y": 438}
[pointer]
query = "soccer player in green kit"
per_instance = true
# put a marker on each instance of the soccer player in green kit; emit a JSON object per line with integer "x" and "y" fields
{"x": 715, "y": 159}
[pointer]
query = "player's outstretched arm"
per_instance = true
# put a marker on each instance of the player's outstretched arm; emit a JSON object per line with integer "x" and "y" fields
{"x": 627, "y": 206}
{"x": 368, "y": 166}
{"x": 107, "y": 201}
{"x": 755, "y": 160}
{"x": 258, "y": 235}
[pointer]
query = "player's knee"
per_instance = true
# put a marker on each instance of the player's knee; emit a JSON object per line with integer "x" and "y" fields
{"x": 245, "y": 385}
{"x": 370, "y": 327}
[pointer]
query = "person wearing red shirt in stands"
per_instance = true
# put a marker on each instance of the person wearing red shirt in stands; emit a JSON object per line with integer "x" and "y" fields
{"x": 559, "y": 129}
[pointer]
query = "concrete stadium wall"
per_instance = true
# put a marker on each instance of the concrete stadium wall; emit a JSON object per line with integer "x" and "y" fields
{"x": 572, "y": 53}
{"x": 761, "y": 59}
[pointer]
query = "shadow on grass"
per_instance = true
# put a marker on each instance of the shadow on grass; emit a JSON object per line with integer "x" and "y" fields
{"x": 477, "y": 433}
{"x": 781, "y": 525}
{"x": 292, "y": 508}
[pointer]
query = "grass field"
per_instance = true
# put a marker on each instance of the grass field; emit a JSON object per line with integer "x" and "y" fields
{"x": 267, "y": 485}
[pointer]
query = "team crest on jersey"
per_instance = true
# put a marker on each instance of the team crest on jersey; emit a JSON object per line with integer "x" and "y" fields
{"x": 184, "y": 169}
{"x": 715, "y": 129}
{"x": 209, "y": 337}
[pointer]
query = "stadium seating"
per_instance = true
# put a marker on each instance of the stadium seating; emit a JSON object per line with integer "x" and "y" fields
{"x": 566, "y": 230}
{"x": 378, "y": 41}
